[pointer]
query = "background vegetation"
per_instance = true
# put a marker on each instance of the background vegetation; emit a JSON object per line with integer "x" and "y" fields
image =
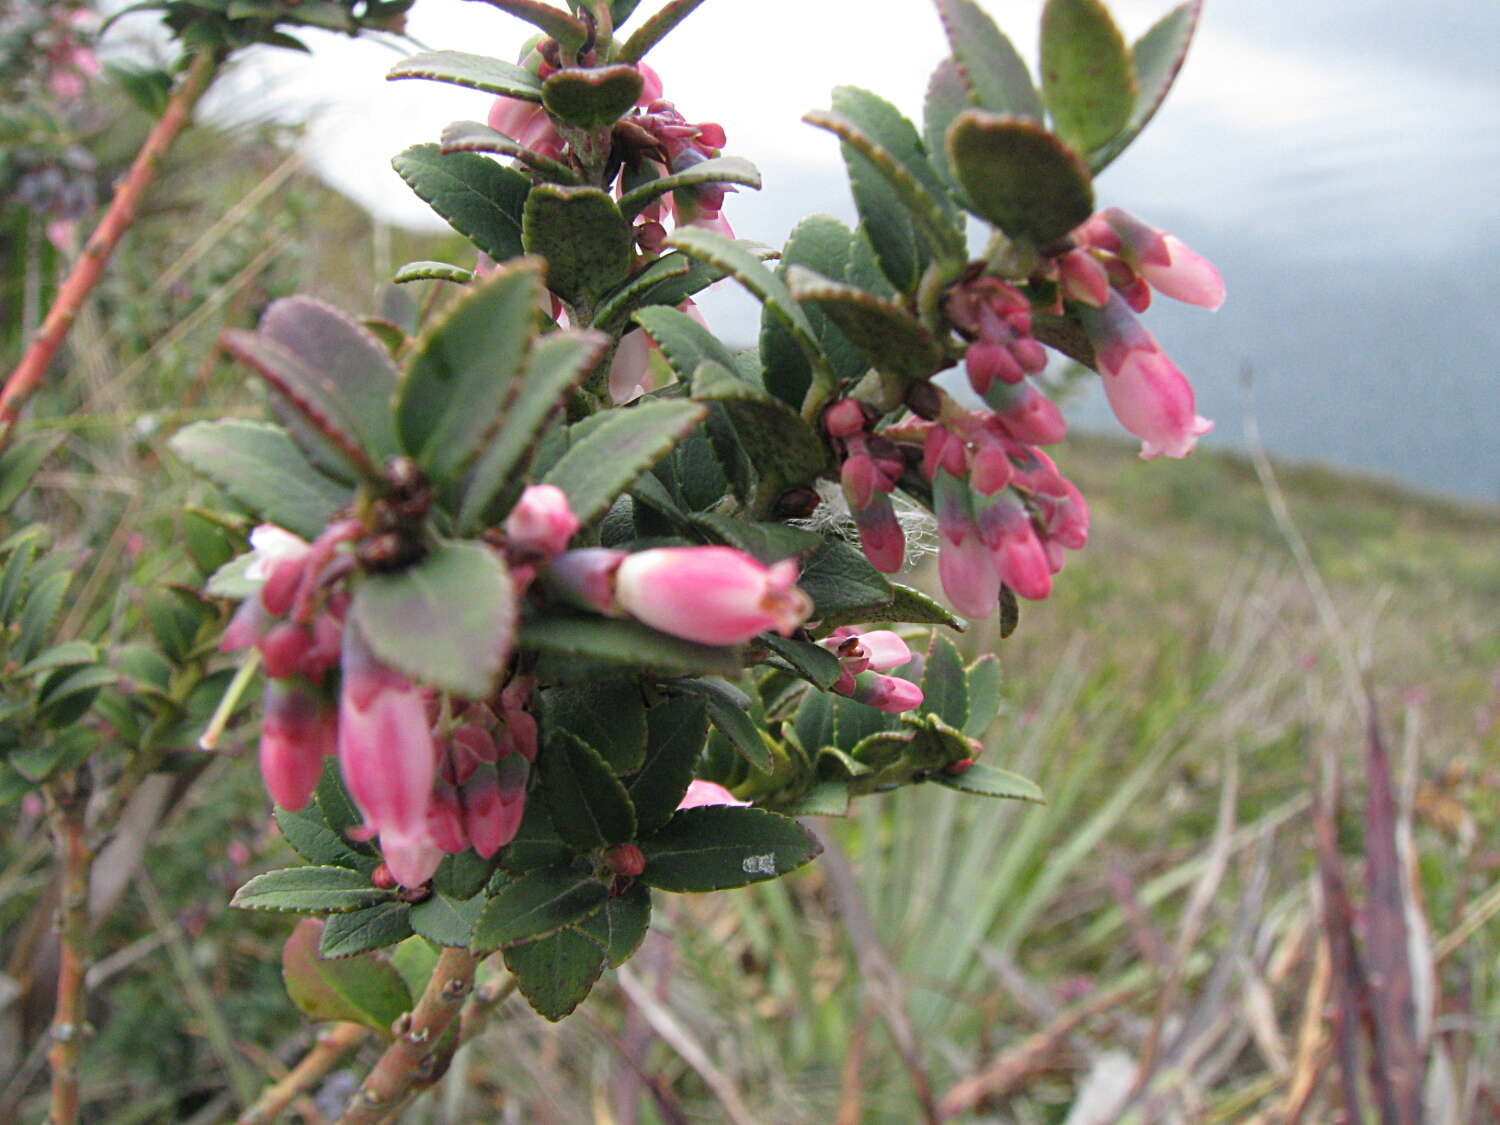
{"x": 1158, "y": 932}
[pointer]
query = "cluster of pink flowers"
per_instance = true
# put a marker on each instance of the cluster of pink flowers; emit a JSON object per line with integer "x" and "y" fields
{"x": 1107, "y": 277}
{"x": 864, "y": 657}
{"x": 71, "y": 63}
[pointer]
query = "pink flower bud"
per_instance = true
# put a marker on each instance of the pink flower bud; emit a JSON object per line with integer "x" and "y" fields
{"x": 1083, "y": 278}
{"x": 890, "y": 694}
{"x": 625, "y": 859}
{"x": 283, "y": 648}
{"x": 541, "y": 523}
{"x": 1188, "y": 277}
{"x": 586, "y": 577}
{"x": 650, "y": 85}
{"x": 701, "y": 794}
{"x": 968, "y": 577}
{"x": 491, "y": 822}
{"x": 1026, "y": 415}
{"x": 1149, "y": 395}
{"x": 844, "y": 418}
{"x": 988, "y": 360}
{"x": 445, "y": 819}
{"x": 292, "y": 739}
{"x": 880, "y": 534}
{"x": 992, "y": 469}
{"x": 712, "y": 595}
{"x": 861, "y": 479}
{"x": 943, "y": 449}
{"x": 246, "y": 627}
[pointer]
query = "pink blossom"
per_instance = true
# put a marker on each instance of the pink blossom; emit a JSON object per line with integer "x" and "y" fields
{"x": 1015, "y": 551}
{"x": 527, "y": 123}
{"x": 712, "y": 595}
{"x": 890, "y": 694}
{"x": 701, "y": 794}
{"x": 386, "y": 750}
{"x": 1169, "y": 266}
{"x": 1149, "y": 395}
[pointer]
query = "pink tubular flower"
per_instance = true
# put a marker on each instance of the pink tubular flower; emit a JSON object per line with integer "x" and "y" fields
{"x": 890, "y": 694}
{"x": 1168, "y": 265}
{"x": 712, "y": 595}
{"x": 389, "y": 761}
{"x": 701, "y": 794}
{"x": 296, "y": 733}
{"x": 1149, "y": 395}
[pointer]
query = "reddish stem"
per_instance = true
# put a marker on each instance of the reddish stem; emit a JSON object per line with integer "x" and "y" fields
{"x": 69, "y": 1023}
{"x": 86, "y": 272}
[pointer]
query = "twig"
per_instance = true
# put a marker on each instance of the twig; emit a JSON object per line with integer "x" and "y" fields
{"x": 89, "y": 267}
{"x": 331, "y": 1045}
{"x": 413, "y": 1053}
{"x": 487, "y": 997}
{"x": 69, "y": 1025}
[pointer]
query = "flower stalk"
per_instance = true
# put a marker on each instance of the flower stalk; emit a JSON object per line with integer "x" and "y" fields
{"x": 69, "y": 1024}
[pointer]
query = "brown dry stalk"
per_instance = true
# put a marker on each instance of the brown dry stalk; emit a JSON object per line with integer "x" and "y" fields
{"x": 87, "y": 271}
{"x": 332, "y": 1044}
{"x": 69, "y": 1022}
{"x": 413, "y": 1054}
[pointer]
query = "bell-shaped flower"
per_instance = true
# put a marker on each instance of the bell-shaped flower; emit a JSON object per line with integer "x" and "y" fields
{"x": 1148, "y": 394}
{"x": 890, "y": 694}
{"x": 296, "y": 732}
{"x": 712, "y": 595}
{"x": 1169, "y": 266}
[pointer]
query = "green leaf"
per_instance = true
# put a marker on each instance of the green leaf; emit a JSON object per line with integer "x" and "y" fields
{"x": 583, "y": 236}
{"x": 767, "y": 542}
{"x": 414, "y": 959}
{"x": 813, "y": 722}
{"x": 731, "y": 712}
{"x": 609, "y": 715}
{"x": 337, "y": 806}
{"x": 888, "y": 337}
{"x": 590, "y": 807}
{"x": 841, "y": 581}
{"x": 462, "y": 875}
{"x": 1019, "y": 176}
{"x": 42, "y": 756}
{"x": 983, "y": 679}
{"x": 620, "y": 927}
{"x": 471, "y": 136}
{"x": 308, "y": 832}
{"x": 336, "y": 365}
{"x": 826, "y": 798}
{"x": 44, "y": 602}
{"x": 1088, "y": 79}
{"x": 655, "y": 29}
{"x": 677, "y": 729}
{"x": 462, "y": 372}
{"x": 65, "y": 694}
{"x": 592, "y": 97}
{"x": 714, "y": 848}
{"x": 360, "y": 931}
{"x": 557, "y": 363}
{"x": 479, "y": 198}
{"x": 892, "y": 233}
{"x": 1157, "y": 58}
{"x": 365, "y": 989}
{"x": 991, "y": 68}
{"x": 19, "y": 464}
{"x": 626, "y": 643}
{"x": 823, "y": 244}
{"x": 743, "y": 265}
{"x": 536, "y": 843}
{"x": 620, "y": 301}
{"x": 719, "y": 170}
{"x": 15, "y": 582}
{"x": 813, "y": 663}
{"x": 260, "y": 467}
{"x": 786, "y": 450}
{"x": 875, "y": 130}
{"x": 432, "y": 271}
{"x": 990, "y": 781}
{"x": 945, "y": 689}
{"x": 614, "y": 452}
{"x": 477, "y": 72}
{"x": 69, "y": 654}
{"x": 569, "y": 32}
{"x": 411, "y": 618}
{"x": 683, "y": 341}
{"x": 557, "y": 972}
{"x": 536, "y": 904}
{"x": 447, "y": 921}
{"x": 947, "y": 97}
{"x": 313, "y": 890}
{"x": 907, "y": 605}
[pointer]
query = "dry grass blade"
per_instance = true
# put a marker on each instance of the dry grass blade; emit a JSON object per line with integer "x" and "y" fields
{"x": 681, "y": 1040}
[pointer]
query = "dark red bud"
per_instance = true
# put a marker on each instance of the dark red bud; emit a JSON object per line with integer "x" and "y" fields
{"x": 381, "y": 877}
{"x": 625, "y": 859}
{"x": 963, "y": 765}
